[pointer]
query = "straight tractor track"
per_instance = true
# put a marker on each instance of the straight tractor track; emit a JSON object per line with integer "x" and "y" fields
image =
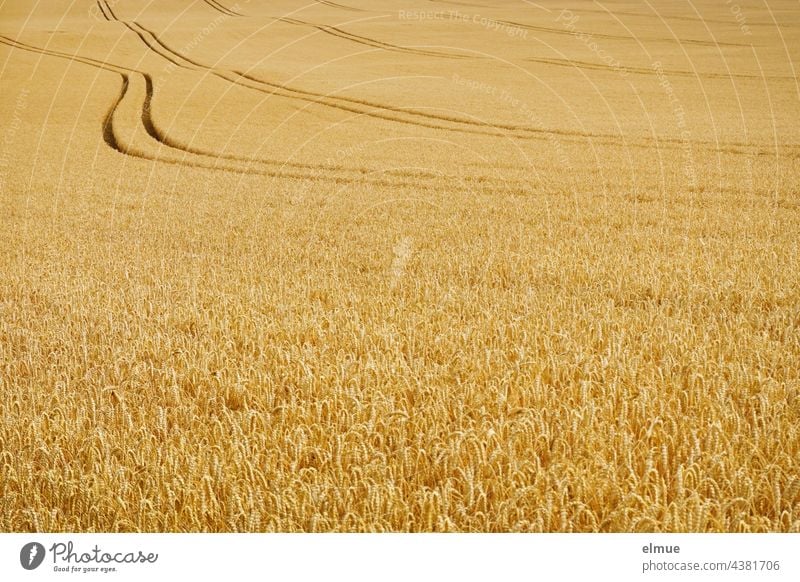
{"x": 645, "y": 71}
{"x": 371, "y": 42}
{"x": 568, "y": 32}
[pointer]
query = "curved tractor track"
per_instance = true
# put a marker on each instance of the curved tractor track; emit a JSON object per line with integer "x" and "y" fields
{"x": 136, "y": 95}
{"x": 112, "y": 132}
{"x": 357, "y": 106}
{"x": 134, "y": 81}
{"x": 412, "y": 116}
{"x": 373, "y": 43}
{"x": 219, "y": 7}
{"x": 341, "y": 6}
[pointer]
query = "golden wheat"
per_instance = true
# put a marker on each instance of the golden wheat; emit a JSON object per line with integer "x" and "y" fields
{"x": 304, "y": 268}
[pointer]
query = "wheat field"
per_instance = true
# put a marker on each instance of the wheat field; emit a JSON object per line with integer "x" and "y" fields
{"x": 440, "y": 266}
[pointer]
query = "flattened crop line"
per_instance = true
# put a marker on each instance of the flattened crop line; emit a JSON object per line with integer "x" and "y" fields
{"x": 460, "y": 3}
{"x": 108, "y": 127}
{"x": 314, "y": 172}
{"x": 371, "y": 42}
{"x": 108, "y": 122}
{"x": 567, "y": 32}
{"x": 105, "y": 65}
{"x": 375, "y": 110}
{"x": 423, "y": 119}
{"x": 410, "y": 116}
{"x": 156, "y": 45}
{"x": 646, "y": 71}
{"x": 102, "y": 8}
{"x": 143, "y": 33}
{"x": 110, "y": 139}
{"x": 668, "y": 17}
{"x": 341, "y": 6}
{"x": 147, "y": 119}
{"x": 220, "y": 8}
{"x": 124, "y": 73}
{"x": 343, "y": 103}
{"x": 161, "y": 137}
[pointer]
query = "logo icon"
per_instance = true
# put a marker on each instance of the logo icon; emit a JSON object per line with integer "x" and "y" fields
{"x": 31, "y": 555}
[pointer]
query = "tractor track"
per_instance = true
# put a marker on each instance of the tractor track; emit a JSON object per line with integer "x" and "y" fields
{"x": 222, "y": 9}
{"x": 667, "y": 17}
{"x": 330, "y": 172}
{"x": 647, "y": 71}
{"x": 371, "y": 42}
{"x": 324, "y": 173}
{"x": 341, "y": 6}
{"x": 422, "y": 118}
{"x": 620, "y": 37}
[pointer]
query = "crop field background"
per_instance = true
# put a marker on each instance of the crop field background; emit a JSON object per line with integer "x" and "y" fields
{"x": 420, "y": 266}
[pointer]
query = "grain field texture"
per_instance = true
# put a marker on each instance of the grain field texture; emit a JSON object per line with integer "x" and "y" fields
{"x": 425, "y": 266}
